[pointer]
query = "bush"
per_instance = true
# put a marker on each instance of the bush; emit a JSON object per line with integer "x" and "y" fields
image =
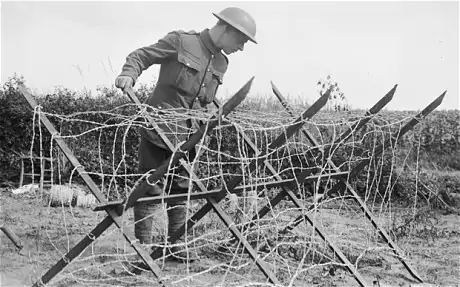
{"x": 113, "y": 150}
{"x": 96, "y": 150}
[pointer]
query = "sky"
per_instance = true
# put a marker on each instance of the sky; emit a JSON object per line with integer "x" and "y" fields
{"x": 367, "y": 47}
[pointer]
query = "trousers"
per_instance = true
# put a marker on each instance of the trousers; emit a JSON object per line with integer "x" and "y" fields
{"x": 151, "y": 157}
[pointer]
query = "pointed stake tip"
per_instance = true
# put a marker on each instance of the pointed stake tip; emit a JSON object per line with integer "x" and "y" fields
{"x": 391, "y": 93}
{"x": 435, "y": 103}
{"x": 274, "y": 88}
{"x": 247, "y": 85}
{"x": 324, "y": 98}
{"x": 441, "y": 97}
{"x": 244, "y": 90}
{"x": 251, "y": 80}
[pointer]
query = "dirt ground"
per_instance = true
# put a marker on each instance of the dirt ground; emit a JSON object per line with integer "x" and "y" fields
{"x": 48, "y": 232}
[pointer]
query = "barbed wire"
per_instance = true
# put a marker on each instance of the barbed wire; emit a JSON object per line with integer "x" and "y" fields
{"x": 295, "y": 257}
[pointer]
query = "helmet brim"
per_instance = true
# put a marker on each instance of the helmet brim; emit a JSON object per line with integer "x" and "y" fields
{"x": 236, "y": 26}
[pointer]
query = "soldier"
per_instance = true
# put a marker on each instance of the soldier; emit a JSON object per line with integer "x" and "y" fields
{"x": 192, "y": 69}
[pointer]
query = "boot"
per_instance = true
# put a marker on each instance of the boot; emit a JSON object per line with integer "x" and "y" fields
{"x": 177, "y": 216}
{"x": 181, "y": 254}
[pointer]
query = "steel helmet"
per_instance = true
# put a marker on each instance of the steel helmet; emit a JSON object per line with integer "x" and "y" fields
{"x": 240, "y": 20}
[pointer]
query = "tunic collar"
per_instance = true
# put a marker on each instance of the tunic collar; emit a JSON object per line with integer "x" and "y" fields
{"x": 208, "y": 42}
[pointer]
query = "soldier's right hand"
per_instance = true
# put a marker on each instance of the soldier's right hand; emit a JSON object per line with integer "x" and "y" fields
{"x": 124, "y": 82}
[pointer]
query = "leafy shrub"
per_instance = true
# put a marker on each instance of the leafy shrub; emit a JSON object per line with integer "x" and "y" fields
{"x": 434, "y": 143}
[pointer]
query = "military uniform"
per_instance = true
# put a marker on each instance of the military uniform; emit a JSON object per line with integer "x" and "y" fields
{"x": 192, "y": 69}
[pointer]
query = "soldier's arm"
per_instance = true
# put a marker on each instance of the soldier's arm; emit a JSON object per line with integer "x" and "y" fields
{"x": 142, "y": 58}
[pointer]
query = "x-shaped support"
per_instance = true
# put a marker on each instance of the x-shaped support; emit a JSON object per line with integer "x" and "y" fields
{"x": 212, "y": 201}
{"x": 233, "y": 183}
{"x": 112, "y": 216}
{"x": 356, "y": 169}
{"x": 232, "y": 186}
{"x": 287, "y": 191}
{"x": 114, "y": 212}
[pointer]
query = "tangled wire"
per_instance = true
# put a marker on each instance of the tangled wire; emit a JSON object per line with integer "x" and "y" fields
{"x": 105, "y": 143}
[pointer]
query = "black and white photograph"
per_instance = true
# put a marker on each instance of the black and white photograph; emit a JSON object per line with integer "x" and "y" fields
{"x": 215, "y": 143}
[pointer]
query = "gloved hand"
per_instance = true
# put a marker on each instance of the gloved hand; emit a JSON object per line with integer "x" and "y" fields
{"x": 124, "y": 82}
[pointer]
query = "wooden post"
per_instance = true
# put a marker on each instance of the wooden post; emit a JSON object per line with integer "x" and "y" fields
{"x": 12, "y": 236}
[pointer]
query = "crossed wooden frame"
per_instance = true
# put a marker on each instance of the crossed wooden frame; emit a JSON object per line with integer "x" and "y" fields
{"x": 115, "y": 209}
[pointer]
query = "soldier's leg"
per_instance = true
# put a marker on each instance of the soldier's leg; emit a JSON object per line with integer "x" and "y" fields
{"x": 150, "y": 157}
{"x": 179, "y": 183}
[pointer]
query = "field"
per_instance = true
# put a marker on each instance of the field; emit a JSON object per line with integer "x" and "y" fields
{"x": 433, "y": 252}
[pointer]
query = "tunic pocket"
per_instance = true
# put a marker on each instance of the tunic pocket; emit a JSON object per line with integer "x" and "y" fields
{"x": 188, "y": 79}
